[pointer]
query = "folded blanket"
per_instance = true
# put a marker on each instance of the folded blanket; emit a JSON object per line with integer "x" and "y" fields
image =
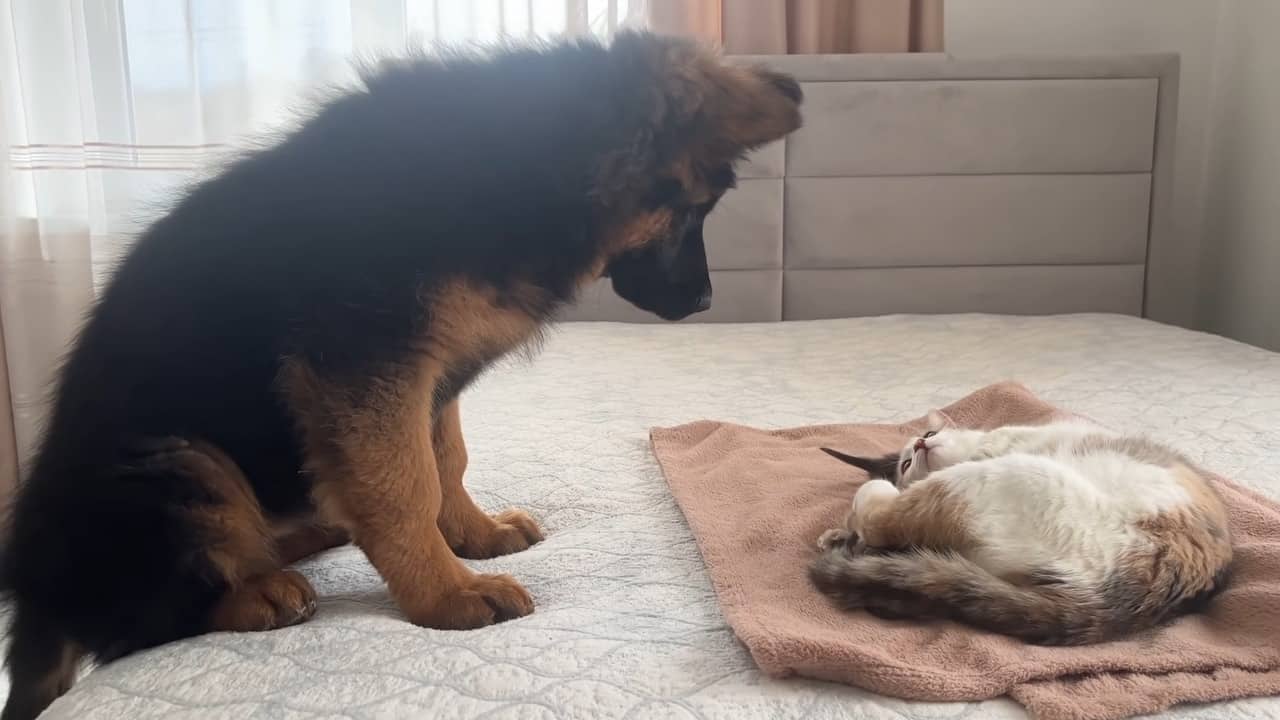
{"x": 757, "y": 501}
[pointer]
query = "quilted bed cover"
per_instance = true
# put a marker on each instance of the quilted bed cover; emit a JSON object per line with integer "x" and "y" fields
{"x": 627, "y": 625}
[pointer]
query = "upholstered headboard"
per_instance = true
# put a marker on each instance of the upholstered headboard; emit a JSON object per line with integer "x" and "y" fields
{"x": 931, "y": 184}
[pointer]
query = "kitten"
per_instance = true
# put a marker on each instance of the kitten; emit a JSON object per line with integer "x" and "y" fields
{"x": 1062, "y": 534}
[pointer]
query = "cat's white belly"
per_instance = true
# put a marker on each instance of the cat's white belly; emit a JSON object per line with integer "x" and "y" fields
{"x": 1031, "y": 512}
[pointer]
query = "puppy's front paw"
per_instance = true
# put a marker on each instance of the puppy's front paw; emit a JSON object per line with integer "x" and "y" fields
{"x": 487, "y": 537}
{"x": 484, "y": 600}
{"x": 517, "y": 530}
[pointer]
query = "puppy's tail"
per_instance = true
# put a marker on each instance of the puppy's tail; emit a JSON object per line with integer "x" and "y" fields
{"x": 42, "y": 664}
{"x": 924, "y": 583}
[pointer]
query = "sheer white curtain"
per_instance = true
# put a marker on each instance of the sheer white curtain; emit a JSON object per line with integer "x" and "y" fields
{"x": 106, "y": 106}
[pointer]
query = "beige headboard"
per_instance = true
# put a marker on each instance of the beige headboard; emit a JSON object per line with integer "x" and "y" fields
{"x": 931, "y": 184}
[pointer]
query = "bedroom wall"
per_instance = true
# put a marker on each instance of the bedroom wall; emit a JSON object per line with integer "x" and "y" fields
{"x": 1242, "y": 208}
{"x": 1228, "y": 141}
{"x": 1057, "y": 27}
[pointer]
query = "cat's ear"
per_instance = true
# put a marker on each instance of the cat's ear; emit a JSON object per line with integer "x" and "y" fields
{"x": 936, "y": 420}
{"x": 881, "y": 467}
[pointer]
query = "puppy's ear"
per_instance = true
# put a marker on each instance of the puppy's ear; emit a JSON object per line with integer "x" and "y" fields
{"x": 688, "y": 112}
{"x": 754, "y": 106}
{"x": 695, "y": 93}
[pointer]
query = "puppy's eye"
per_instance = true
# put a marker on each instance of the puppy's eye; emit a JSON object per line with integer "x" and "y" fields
{"x": 905, "y": 464}
{"x": 930, "y": 434}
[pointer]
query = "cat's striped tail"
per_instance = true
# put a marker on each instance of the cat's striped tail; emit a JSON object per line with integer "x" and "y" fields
{"x": 924, "y": 583}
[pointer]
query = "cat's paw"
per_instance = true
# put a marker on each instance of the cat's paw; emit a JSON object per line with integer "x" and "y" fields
{"x": 842, "y": 540}
{"x": 834, "y": 538}
{"x": 873, "y": 495}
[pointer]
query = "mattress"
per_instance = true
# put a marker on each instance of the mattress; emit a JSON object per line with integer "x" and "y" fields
{"x": 627, "y": 625}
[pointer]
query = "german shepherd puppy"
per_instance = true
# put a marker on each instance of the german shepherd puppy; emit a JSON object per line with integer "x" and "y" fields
{"x": 275, "y": 366}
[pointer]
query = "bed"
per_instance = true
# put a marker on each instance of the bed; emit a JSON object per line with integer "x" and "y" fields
{"x": 938, "y": 225}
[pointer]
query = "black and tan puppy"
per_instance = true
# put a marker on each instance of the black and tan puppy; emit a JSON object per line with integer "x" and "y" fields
{"x": 275, "y": 367}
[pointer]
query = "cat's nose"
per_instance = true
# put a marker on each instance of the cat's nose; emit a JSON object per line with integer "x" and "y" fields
{"x": 920, "y": 444}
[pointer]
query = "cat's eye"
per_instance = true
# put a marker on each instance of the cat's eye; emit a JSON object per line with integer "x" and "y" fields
{"x": 905, "y": 464}
{"x": 930, "y": 434}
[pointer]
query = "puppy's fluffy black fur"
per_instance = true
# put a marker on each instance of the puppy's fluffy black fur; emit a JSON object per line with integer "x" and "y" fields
{"x": 506, "y": 170}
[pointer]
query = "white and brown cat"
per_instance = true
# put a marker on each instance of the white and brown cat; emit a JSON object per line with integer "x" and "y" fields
{"x": 1061, "y": 534}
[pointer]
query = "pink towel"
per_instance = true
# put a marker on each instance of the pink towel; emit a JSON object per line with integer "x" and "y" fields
{"x": 757, "y": 501}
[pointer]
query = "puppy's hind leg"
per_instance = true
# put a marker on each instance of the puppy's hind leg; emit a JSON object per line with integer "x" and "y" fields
{"x": 164, "y": 542}
{"x": 42, "y": 664}
{"x": 308, "y": 540}
{"x": 257, "y": 593}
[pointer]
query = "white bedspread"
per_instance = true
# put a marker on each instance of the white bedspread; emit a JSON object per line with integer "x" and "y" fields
{"x": 627, "y": 625}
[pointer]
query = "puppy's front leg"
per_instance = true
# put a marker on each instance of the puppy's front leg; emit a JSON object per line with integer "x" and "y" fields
{"x": 370, "y": 454}
{"x": 470, "y": 531}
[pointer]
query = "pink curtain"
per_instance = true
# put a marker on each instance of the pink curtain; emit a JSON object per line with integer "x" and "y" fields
{"x": 780, "y": 27}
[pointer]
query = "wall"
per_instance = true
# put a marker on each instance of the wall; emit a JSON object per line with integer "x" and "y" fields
{"x": 1067, "y": 27}
{"x": 1227, "y": 182}
{"x": 1242, "y": 219}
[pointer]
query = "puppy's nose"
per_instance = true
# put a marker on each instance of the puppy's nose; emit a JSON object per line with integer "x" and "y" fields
{"x": 920, "y": 444}
{"x": 704, "y": 301}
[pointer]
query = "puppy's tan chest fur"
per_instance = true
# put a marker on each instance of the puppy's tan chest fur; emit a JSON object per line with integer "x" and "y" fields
{"x": 469, "y": 323}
